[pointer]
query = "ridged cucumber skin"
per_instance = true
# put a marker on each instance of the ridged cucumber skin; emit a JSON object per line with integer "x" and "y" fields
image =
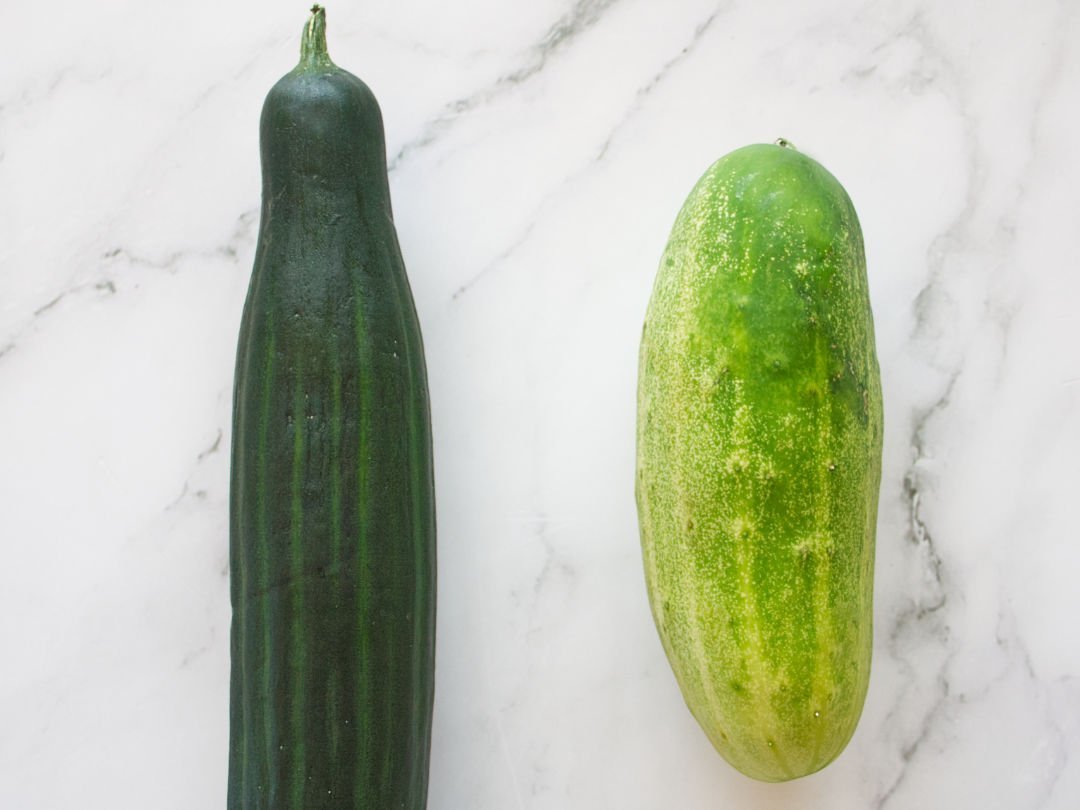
{"x": 332, "y": 528}
{"x": 759, "y": 460}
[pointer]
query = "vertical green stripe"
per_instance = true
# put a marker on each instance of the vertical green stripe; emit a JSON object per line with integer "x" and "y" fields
{"x": 240, "y": 709}
{"x": 297, "y": 581}
{"x": 335, "y": 468}
{"x": 363, "y": 557}
{"x": 259, "y": 705}
{"x": 417, "y": 524}
{"x": 337, "y": 710}
{"x": 240, "y": 565}
{"x": 421, "y": 500}
{"x": 239, "y": 713}
{"x": 264, "y": 546}
{"x": 423, "y": 508}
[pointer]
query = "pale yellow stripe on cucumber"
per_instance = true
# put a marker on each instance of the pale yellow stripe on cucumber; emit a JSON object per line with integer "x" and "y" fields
{"x": 687, "y": 394}
{"x": 647, "y": 530}
{"x": 650, "y": 446}
{"x": 703, "y": 667}
{"x": 741, "y": 463}
{"x": 821, "y": 547}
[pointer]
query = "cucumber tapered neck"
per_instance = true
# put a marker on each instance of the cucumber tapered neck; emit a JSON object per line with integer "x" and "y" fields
{"x": 313, "y": 51}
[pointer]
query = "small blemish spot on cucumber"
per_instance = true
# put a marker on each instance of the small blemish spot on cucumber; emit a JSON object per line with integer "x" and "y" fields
{"x": 817, "y": 713}
{"x": 741, "y": 528}
{"x": 738, "y": 462}
{"x": 832, "y": 466}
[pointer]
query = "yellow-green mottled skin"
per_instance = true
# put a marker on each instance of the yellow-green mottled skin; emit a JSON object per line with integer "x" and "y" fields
{"x": 759, "y": 460}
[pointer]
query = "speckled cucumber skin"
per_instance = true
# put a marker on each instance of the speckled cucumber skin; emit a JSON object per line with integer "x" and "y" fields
{"x": 759, "y": 460}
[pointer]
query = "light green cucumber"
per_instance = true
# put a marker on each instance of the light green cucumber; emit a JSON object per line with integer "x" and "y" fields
{"x": 759, "y": 460}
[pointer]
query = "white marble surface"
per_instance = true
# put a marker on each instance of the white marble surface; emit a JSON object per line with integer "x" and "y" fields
{"x": 539, "y": 154}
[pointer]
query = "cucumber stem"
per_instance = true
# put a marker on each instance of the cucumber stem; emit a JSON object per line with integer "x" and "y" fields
{"x": 784, "y": 142}
{"x": 313, "y": 51}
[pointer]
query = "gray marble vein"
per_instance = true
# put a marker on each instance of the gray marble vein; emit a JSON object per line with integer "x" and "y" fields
{"x": 582, "y": 15}
{"x": 547, "y": 203}
{"x": 643, "y": 92}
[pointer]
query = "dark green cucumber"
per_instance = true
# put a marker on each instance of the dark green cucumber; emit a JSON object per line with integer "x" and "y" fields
{"x": 759, "y": 460}
{"x": 332, "y": 529}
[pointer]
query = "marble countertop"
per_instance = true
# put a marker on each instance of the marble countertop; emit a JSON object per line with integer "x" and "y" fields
{"x": 539, "y": 153}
